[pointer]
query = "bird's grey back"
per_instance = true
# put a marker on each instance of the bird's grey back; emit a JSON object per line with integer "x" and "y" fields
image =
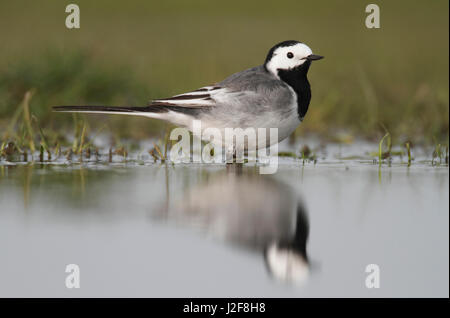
{"x": 270, "y": 92}
{"x": 252, "y": 79}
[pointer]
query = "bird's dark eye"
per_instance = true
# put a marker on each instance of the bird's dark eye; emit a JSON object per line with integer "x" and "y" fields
{"x": 290, "y": 55}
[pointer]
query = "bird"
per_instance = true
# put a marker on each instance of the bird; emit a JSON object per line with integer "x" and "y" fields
{"x": 275, "y": 94}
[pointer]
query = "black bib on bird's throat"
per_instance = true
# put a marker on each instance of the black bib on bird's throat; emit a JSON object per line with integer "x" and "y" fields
{"x": 296, "y": 78}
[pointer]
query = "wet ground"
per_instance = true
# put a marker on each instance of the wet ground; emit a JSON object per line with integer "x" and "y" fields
{"x": 139, "y": 228}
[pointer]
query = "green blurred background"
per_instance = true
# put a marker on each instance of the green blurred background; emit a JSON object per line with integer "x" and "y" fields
{"x": 128, "y": 52}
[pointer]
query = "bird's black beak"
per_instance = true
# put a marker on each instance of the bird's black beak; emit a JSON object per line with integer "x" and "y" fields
{"x": 314, "y": 57}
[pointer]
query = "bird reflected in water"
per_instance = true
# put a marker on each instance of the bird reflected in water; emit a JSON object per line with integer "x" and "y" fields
{"x": 251, "y": 211}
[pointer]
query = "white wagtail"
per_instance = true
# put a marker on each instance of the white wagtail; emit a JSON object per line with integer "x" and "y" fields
{"x": 273, "y": 95}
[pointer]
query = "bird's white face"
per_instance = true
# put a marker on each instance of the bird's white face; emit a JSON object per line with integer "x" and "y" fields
{"x": 288, "y": 57}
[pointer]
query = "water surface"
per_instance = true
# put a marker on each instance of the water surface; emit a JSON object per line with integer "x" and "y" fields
{"x": 148, "y": 229}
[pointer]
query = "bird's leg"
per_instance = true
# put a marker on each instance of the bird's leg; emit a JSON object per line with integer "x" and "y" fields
{"x": 230, "y": 155}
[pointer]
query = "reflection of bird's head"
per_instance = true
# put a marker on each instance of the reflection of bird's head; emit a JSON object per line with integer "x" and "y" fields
{"x": 287, "y": 261}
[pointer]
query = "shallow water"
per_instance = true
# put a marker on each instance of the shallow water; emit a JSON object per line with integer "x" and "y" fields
{"x": 145, "y": 229}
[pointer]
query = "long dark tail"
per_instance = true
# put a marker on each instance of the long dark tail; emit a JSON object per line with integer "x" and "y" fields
{"x": 154, "y": 108}
{"x": 111, "y": 109}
